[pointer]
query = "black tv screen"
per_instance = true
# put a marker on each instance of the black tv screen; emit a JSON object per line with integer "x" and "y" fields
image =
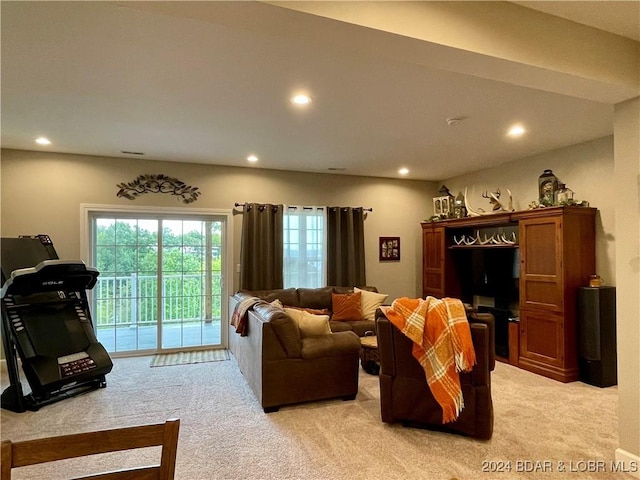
{"x": 495, "y": 273}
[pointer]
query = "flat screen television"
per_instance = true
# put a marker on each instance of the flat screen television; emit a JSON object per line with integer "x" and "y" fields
{"x": 495, "y": 274}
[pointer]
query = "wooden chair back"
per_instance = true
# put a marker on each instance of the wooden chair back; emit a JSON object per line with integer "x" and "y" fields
{"x": 32, "y": 452}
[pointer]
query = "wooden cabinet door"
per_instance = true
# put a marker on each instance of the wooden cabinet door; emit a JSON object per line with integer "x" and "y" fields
{"x": 541, "y": 276}
{"x": 541, "y": 339}
{"x": 547, "y": 336}
{"x": 541, "y": 296}
{"x": 433, "y": 245}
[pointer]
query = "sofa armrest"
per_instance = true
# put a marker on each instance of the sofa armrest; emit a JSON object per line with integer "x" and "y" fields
{"x": 386, "y": 346}
{"x": 480, "y": 372}
{"x": 488, "y": 320}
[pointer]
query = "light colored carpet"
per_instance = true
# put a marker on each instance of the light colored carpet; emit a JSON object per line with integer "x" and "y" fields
{"x": 224, "y": 433}
{"x": 187, "y": 358}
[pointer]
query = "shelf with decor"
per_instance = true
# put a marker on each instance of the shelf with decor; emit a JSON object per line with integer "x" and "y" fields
{"x": 535, "y": 279}
{"x": 503, "y": 236}
{"x": 480, "y": 247}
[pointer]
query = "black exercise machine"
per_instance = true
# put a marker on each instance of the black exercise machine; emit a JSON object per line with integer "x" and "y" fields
{"x": 47, "y": 324}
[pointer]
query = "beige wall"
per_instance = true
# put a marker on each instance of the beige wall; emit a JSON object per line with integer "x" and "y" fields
{"x": 42, "y": 193}
{"x": 627, "y": 239}
{"x": 586, "y": 168}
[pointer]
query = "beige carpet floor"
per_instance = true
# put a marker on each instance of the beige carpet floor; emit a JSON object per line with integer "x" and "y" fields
{"x": 225, "y": 434}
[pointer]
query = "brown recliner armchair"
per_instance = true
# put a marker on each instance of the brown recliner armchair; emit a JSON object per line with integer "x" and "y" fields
{"x": 405, "y": 395}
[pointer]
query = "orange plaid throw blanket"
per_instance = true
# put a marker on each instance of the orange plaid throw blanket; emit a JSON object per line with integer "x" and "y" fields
{"x": 441, "y": 343}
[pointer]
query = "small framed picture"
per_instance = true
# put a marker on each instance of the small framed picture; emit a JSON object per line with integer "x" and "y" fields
{"x": 389, "y": 249}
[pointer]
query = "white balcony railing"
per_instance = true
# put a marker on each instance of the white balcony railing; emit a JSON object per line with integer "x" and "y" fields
{"x": 134, "y": 299}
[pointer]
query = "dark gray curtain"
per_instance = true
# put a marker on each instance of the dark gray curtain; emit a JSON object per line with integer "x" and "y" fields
{"x": 261, "y": 247}
{"x": 345, "y": 247}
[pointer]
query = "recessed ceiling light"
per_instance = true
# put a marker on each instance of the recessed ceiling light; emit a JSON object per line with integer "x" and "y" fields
{"x": 43, "y": 141}
{"x": 403, "y": 171}
{"x": 301, "y": 99}
{"x": 252, "y": 158}
{"x": 516, "y": 131}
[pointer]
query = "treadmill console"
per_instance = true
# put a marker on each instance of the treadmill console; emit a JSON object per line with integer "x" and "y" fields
{"x": 75, "y": 363}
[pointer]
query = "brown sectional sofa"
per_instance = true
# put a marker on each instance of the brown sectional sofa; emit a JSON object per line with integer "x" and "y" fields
{"x": 319, "y": 299}
{"x": 282, "y": 366}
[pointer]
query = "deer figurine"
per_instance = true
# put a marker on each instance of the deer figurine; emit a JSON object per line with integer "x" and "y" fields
{"x": 494, "y": 200}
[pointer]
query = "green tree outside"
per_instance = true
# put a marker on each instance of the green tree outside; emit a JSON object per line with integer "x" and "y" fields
{"x": 127, "y": 259}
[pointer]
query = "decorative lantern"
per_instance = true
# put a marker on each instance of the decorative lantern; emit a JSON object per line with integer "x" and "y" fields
{"x": 459, "y": 210}
{"x": 443, "y": 204}
{"x": 547, "y": 186}
{"x": 564, "y": 195}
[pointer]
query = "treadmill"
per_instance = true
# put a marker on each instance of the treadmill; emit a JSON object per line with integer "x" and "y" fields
{"x": 46, "y": 323}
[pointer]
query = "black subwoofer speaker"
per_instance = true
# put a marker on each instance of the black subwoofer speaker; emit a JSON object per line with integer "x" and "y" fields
{"x": 597, "y": 336}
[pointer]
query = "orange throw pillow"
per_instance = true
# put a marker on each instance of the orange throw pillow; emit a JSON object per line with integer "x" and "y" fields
{"x": 346, "y": 306}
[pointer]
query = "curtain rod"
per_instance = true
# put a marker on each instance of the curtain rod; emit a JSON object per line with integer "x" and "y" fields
{"x": 310, "y": 208}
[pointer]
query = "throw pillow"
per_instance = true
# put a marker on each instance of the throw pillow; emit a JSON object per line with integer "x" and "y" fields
{"x": 369, "y": 302}
{"x": 312, "y": 311}
{"x": 346, "y": 306}
{"x": 309, "y": 325}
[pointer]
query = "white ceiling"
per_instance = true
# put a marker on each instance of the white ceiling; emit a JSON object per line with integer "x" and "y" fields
{"x": 622, "y": 19}
{"x": 99, "y": 78}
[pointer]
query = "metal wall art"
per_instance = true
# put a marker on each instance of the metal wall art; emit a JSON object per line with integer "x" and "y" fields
{"x": 158, "y": 184}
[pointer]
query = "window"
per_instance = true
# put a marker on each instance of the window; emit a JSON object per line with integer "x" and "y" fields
{"x": 304, "y": 247}
{"x": 161, "y": 281}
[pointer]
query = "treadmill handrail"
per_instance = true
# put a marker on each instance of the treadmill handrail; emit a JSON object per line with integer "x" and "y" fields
{"x": 53, "y": 283}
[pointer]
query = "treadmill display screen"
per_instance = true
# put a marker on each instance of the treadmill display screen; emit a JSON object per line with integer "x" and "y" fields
{"x": 24, "y": 253}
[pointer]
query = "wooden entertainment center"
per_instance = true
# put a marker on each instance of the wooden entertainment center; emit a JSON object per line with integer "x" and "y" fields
{"x": 534, "y": 273}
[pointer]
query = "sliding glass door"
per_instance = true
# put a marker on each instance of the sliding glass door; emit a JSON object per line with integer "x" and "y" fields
{"x": 161, "y": 281}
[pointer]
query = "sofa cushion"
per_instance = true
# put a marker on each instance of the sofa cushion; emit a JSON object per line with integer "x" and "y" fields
{"x": 369, "y": 303}
{"x": 317, "y": 298}
{"x": 342, "y": 343}
{"x": 288, "y": 296}
{"x": 309, "y": 325}
{"x": 361, "y": 327}
{"x": 340, "y": 326}
{"x": 312, "y": 311}
{"x": 345, "y": 306}
{"x": 283, "y": 325}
